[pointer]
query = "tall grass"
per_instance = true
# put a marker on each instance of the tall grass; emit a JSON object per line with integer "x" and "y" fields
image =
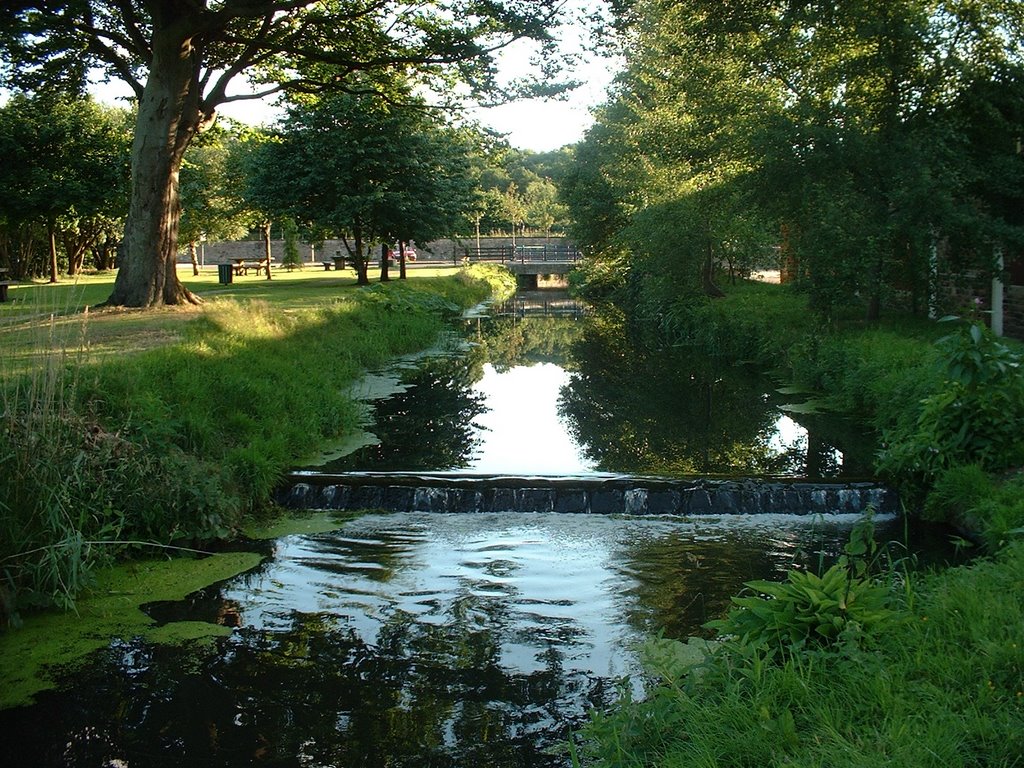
{"x": 43, "y": 536}
{"x": 942, "y": 687}
{"x": 176, "y": 443}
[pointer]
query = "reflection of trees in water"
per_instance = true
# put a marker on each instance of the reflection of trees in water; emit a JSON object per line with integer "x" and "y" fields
{"x": 316, "y": 693}
{"x": 683, "y": 579}
{"x": 507, "y": 342}
{"x": 428, "y": 426}
{"x": 666, "y": 412}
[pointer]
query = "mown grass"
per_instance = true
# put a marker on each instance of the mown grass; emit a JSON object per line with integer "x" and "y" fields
{"x": 942, "y": 685}
{"x": 122, "y": 430}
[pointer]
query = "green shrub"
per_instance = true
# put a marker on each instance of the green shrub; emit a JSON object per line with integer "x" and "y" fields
{"x": 974, "y": 418}
{"x": 843, "y": 607}
{"x": 999, "y": 515}
{"x": 955, "y": 492}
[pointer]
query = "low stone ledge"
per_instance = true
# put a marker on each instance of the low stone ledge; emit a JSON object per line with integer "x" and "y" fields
{"x": 599, "y": 495}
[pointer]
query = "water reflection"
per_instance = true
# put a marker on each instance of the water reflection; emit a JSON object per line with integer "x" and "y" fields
{"x": 669, "y": 413}
{"x": 427, "y": 424}
{"x": 411, "y": 640}
{"x": 566, "y": 395}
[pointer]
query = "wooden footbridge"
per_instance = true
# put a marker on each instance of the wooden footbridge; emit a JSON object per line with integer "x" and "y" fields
{"x": 527, "y": 262}
{"x": 555, "y": 259}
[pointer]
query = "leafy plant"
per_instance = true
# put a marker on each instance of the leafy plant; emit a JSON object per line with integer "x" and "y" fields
{"x": 974, "y": 418}
{"x": 842, "y": 607}
{"x": 955, "y": 492}
{"x": 291, "y": 258}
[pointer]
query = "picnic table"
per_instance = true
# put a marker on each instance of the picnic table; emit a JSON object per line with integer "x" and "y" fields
{"x": 242, "y": 266}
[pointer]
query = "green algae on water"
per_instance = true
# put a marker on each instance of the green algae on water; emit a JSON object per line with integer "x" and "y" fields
{"x": 320, "y": 521}
{"x": 47, "y": 642}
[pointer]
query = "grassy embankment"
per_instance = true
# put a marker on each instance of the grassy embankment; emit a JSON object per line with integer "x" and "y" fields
{"x": 875, "y": 666}
{"x": 122, "y": 430}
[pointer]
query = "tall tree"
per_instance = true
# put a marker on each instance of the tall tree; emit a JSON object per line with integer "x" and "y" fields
{"x": 180, "y": 57}
{"x": 366, "y": 169}
{"x": 850, "y": 125}
{"x": 210, "y": 209}
{"x": 64, "y": 178}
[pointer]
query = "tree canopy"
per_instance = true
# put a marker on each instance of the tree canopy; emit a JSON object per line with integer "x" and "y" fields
{"x": 365, "y": 169}
{"x": 849, "y": 135}
{"x": 183, "y": 58}
{"x": 63, "y": 180}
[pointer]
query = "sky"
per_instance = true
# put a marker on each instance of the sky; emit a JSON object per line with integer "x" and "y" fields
{"x": 538, "y": 125}
{"x": 545, "y": 125}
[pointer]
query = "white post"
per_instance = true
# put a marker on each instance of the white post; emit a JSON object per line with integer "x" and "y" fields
{"x": 997, "y": 295}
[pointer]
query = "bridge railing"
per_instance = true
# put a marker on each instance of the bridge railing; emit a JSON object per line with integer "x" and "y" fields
{"x": 522, "y": 254}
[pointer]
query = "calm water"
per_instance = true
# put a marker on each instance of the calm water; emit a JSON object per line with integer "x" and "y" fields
{"x": 478, "y": 639}
{"x": 557, "y": 395}
{"x": 411, "y": 640}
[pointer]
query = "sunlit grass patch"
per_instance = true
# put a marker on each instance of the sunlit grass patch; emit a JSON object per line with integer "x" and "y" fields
{"x": 173, "y": 424}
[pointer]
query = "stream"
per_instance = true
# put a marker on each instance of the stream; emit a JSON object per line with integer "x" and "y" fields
{"x": 474, "y": 639}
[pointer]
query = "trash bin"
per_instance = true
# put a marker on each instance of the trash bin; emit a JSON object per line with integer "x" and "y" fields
{"x": 224, "y": 273}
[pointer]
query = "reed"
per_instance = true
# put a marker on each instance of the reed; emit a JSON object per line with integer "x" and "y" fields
{"x": 175, "y": 444}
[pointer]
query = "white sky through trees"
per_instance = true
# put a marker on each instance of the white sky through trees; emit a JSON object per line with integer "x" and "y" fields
{"x": 535, "y": 124}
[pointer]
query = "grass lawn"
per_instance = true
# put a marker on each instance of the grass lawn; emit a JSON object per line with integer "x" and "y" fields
{"x": 42, "y": 316}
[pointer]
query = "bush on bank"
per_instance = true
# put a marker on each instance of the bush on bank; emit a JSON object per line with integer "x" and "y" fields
{"x": 175, "y": 445}
{"x": 928, "y": 672}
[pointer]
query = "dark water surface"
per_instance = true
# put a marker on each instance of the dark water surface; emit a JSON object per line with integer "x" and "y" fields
{"x": 483, "y": 639}
{"x": 412, "y": 640}
{"x": 557, "y": 395}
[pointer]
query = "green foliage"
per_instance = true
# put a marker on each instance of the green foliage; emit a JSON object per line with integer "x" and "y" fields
{"x": 989, "y": 508}
{"x": 842, "y": 608}
{"x": 942, "y": 687}
{"x": 65, "y": 171}
{"x": 974, "y": 418}
{"x": 366, "y": 169}
{"x": 502, "y": 283}
{"x": 208, "y": 186}
{"x": 175, "y": 444}
{"x": 847, "y": 140}
{"x": 955, "y": 491}
{"x": 291, "y": 257}
{"x": 1000, "y": 515}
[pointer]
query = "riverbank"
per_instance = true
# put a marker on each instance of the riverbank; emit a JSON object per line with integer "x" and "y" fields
{"x": 918, "y": 670}
{"x": 124, "y": 432}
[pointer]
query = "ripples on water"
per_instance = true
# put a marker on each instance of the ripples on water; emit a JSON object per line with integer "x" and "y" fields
{"x": 414, "y": 640}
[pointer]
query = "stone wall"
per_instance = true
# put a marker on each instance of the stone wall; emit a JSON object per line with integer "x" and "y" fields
{"x": 622, "y": 495}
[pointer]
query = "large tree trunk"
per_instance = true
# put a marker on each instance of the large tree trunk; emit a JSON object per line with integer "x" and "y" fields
{"x": 385, "y": 257}
{"x": 362, "y": 278}
{"x": 193, "y": 257}
{"x": 168, "y": 118}
{"x": 707, "y": 272}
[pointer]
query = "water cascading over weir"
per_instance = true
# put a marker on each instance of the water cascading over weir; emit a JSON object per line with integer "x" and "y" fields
{"x": 598, "y": 494}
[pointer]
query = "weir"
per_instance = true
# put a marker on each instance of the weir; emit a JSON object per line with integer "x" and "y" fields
{"x": 598, "y": 494}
